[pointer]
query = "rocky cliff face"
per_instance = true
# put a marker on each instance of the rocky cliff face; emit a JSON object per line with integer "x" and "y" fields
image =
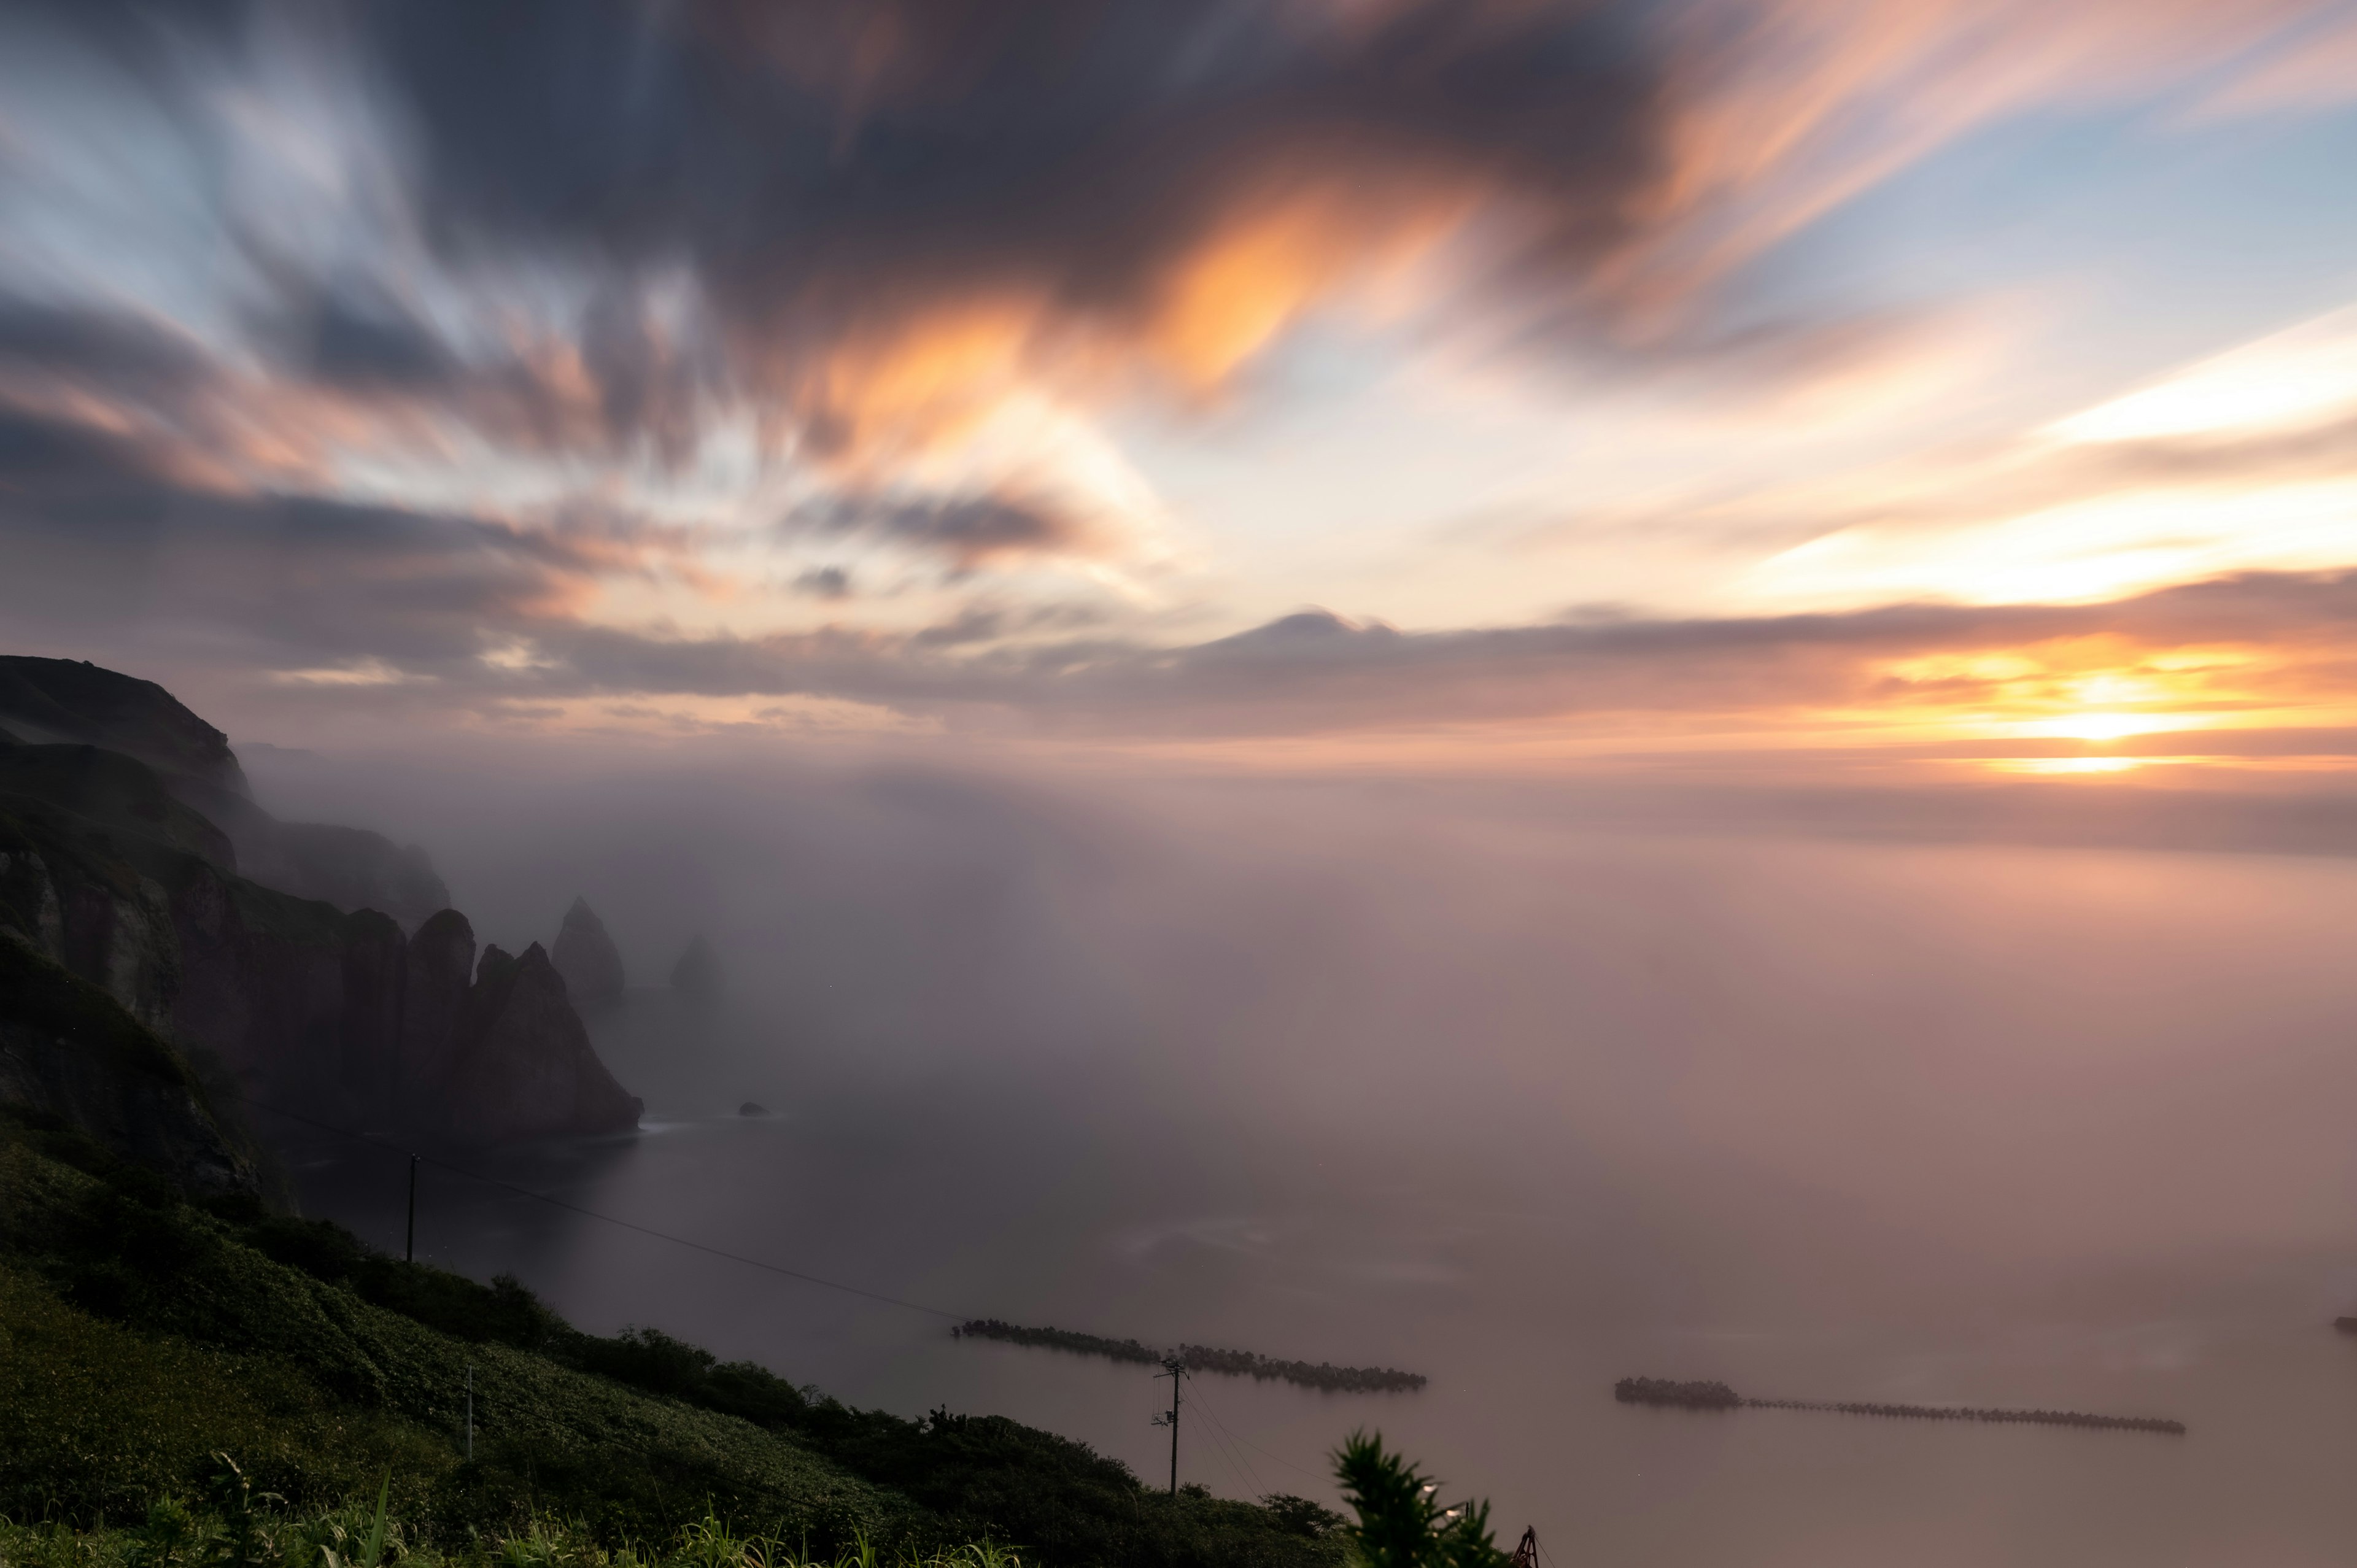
{"x": 526, "y": 1066}
{"x": 375, "y": 985}
{"x": 440, "y": 968}
{"x": 56, "y": 704}
{"x": 108, "y": 877}
{"x": 70, "y": 1054}
{"x": 54, "y": 700}
{"x": 586, "y": 956}
{"x": 351, "y": 868}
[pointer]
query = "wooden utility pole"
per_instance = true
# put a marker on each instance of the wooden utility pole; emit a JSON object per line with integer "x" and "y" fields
{"x": 1175, "y": 1369}
{"x": 409, "y": 1247}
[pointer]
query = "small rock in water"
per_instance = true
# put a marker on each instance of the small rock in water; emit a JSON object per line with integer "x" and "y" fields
{"x": 750, "y": 1108}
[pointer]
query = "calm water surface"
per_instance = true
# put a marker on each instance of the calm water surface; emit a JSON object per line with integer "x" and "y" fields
{"x": 1998, "y": 1128}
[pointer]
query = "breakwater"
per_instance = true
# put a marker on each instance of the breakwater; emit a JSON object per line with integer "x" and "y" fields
{"x": 1677, "y": 1395}
{"x": 1322, "y": 1375}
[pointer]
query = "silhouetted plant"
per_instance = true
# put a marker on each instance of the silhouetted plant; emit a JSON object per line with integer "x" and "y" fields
{"x": 1401, "y": 1522}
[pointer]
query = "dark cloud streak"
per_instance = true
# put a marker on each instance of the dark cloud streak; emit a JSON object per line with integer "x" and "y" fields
{"x": 832, "y": 173}
{"x": 969, "y": 531}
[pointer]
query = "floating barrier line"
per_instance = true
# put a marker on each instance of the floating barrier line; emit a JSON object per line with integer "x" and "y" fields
{"x": 1669, "y": 1393}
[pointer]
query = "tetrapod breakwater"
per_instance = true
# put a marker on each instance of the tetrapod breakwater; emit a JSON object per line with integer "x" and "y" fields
{"x": 1322, "y": 1375}
{"x": 1670, "y": 1393}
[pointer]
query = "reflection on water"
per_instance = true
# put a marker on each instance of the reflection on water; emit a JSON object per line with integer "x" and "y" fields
{"x": 1898, "y": 1125}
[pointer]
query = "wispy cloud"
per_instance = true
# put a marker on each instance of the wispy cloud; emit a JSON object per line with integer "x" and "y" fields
{"x": 2312, "y": 70}
{"x": 589, "y": 349}
{"x": 599, "y": 226}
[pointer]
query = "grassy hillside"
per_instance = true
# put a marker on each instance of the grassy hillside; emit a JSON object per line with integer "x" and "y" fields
{"x": 140, "y": 1336}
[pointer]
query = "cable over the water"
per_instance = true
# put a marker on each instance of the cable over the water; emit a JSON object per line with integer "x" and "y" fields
{"x": 608, "y": 1218}
{"x": 1677, "y": 1395}
{"x": 1235, "y": 1363}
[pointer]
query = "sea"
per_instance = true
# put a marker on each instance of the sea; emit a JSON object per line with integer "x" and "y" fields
{"x": 1496, "y": 1098}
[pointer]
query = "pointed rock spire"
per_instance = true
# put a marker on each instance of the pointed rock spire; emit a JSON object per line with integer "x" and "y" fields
{"x": 697, "y": 973}
{"x": 525, "y": 1068}
{"x": 586, "y": 956}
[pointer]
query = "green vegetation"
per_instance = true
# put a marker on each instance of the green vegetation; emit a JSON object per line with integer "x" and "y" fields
{"x": 1402, "y": 1523}
{"x": 141, "y": 1336}
{"x": 239, "y": 1528}
{"x": 236, "y": 1525}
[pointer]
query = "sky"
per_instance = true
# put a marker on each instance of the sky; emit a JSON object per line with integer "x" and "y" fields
{"x": 1898, "y": 390}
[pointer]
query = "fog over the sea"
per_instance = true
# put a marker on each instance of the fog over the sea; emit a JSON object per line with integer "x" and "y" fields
{"x": 1980, "y": 1050}
{"x": 1456, "y": 1079}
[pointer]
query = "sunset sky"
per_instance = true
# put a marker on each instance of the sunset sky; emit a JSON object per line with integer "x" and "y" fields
{"x": 1966, "y": 386}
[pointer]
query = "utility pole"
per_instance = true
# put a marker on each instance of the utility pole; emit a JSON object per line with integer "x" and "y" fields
{"x": 409, "y": 1248}
{"x": 1175, "y": 1369}
{"x": 471, "y": 1412}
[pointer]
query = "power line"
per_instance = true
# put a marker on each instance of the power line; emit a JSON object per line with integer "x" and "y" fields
{"x": 1236, "y": 1461}
{"x": 1236, "y": 1467}
{"x": 1228, "y": 1453}
{"x": 1251, "y": 1444}
{"x": 610, "y": 1220}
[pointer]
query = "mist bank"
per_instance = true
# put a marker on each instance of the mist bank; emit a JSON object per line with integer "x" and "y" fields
{"x": 1461, "y": 1080}
{"x": 1801, "y": 1056}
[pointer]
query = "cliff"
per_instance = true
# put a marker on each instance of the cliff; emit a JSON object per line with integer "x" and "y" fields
{"x": 50, "y": 701}
{"x": 109, "y": 876}
{"x": 586, "y": 956}
{"x": 524, "y": 1066}
{"x": 72, "y": 1055}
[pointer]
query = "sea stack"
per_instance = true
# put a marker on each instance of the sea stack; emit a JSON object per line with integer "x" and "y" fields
{"x": 586, "y": 956}
{"x": 526, "y": 1066}
{"x": 697, "y": 973}
{"x": 439, "y": 970}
